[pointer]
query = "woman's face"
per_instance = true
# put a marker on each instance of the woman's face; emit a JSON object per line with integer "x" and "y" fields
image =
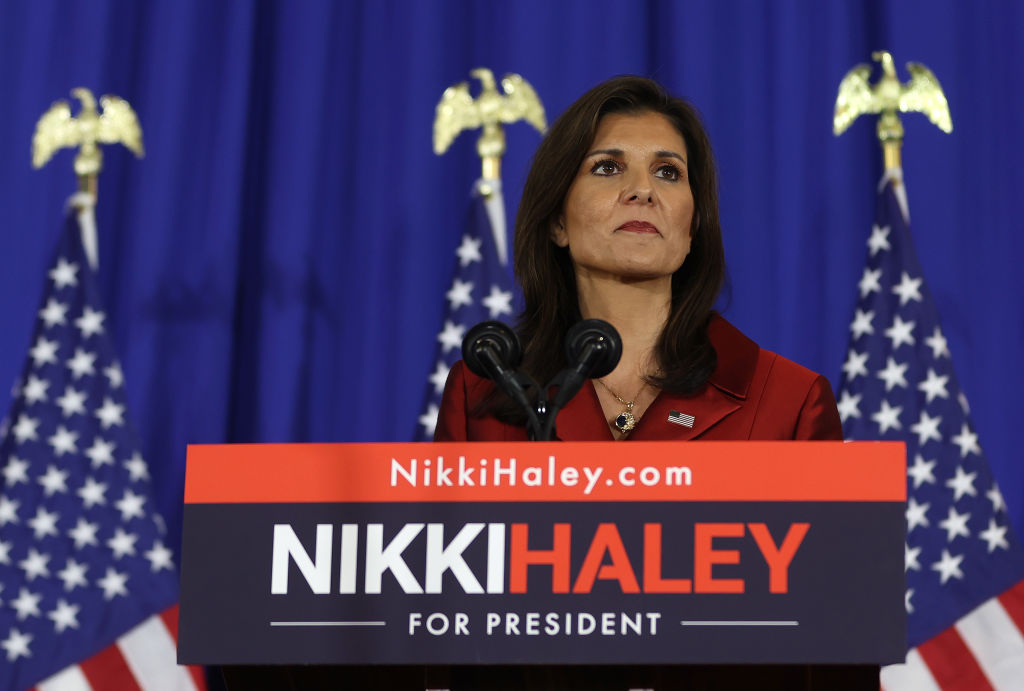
{"x": 628, "y": 212}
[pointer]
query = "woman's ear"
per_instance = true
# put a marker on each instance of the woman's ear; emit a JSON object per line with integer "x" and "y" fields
{"x": 559, "y": 236}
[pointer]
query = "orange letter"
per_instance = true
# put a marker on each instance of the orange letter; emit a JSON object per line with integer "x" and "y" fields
{"x": 521, "y": 556}
{"x": 704, "y": 557}
{"x": 778, "y": 558}
{"x": 606, "y": 539}
{"x": 653, "y": 582}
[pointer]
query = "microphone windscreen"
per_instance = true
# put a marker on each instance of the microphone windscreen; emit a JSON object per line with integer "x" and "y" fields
{"x": 600, "y": 334}
{"x": 497, "y": 338}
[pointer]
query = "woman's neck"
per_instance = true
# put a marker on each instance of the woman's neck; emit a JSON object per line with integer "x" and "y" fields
{"x": 638, "y": 310}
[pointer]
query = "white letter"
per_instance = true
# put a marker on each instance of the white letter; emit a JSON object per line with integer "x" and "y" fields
{"x": 286, "y": 544}
{"x": 414, "y": 621}
{"x": 635, "y": 624}
{"x": 379, "y": 560}
{"x": 570, "y": 476}
{"x": 631, "y": 472}
{"x": 654, "y": 617}
{"x": 674, "y": 476}
{"x": 532, "y": 476}
{"x": 649, "y": 476}
{"x": 443, "y": 474}
{"x": 441, "y": 558}
{"x": 592, "y": 476}
{"x": 492, "y": 621}
{"x": 349, "y": 550}
{"x": 510, "y": 472}
{"x": 440, "y": 629}
{"x": 495, "y": 558}
{"x": 409, "y": 475}
{"x": 465, "y": 474}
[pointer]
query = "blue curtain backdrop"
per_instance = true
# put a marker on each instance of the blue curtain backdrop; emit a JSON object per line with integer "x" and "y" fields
{"x": 274, "y": 269}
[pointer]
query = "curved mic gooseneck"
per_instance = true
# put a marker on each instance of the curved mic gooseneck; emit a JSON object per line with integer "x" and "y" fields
{"x": 491, "y": 350}
{"x": 593, "y": 348}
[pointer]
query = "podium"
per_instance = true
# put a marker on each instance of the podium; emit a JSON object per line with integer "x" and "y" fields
{"x": 543, "y": 558}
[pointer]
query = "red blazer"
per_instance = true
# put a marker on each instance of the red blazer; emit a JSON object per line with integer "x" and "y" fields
{"x": 753, "y": 394}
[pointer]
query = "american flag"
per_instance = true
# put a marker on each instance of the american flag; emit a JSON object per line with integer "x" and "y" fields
{"x": 964, "y": 567}
{"x": 88, "y": 588}
{"x": 481, "y": 289}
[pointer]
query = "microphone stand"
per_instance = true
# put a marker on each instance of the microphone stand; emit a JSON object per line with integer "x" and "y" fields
{"x": 593, "y": 345}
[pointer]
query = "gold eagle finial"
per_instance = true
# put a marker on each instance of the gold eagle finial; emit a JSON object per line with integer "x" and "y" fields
{"x": 922, "y": 94}
{"x": 56, "y": 129}
{"x": 458, "y": 111}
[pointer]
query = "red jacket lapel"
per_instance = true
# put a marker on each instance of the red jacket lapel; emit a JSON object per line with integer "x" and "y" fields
{"x": 724, "y": 394}
{"x": 582, "y": 419}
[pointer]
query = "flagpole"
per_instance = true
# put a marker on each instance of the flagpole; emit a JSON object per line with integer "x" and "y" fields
{"x": 84, "y": 205}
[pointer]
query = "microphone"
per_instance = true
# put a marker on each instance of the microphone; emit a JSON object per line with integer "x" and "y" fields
{"x": 491, "y": 349}
{"x": 593, "y": 348}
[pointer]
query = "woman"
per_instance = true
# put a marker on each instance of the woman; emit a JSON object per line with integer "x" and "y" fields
{"x": 619, "y": 221}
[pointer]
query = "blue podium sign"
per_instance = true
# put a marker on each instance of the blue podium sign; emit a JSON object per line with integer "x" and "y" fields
{"x": 474, "y": 553}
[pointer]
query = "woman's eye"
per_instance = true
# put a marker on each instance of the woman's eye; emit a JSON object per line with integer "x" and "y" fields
{"x": 606, "y": 167}
{"x": 668, "y": 172}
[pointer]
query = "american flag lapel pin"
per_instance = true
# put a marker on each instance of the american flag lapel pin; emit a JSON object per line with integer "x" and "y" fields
{"x": 677, "y": 418}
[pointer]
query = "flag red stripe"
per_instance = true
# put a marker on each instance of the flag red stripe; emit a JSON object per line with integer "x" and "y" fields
{"x": 108, "y": 670}
{"x": 198, "y": 678}
{"x": 170, "y": 619}
{"x": 952, "y": 664}
{"x": 1013, "y": 602}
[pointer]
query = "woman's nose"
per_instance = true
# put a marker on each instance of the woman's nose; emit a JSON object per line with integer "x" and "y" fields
{"x": 638, "y": 190}
{"x": 639, "y": 194}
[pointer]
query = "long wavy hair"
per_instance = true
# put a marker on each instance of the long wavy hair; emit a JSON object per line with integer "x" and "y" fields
{"x": 545, "y": 270}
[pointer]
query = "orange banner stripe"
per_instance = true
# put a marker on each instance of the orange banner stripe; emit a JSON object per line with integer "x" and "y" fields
{"x": 516, "y": 472}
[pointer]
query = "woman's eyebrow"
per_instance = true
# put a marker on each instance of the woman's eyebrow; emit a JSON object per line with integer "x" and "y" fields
{"x": 670, "y": 154}
{"x": 604, "y": 152}
{"x": 618, "y": 153}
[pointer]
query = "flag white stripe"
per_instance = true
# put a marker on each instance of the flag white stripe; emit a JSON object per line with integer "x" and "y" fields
{"x": 996, "y": 643}
{"x": 149, "y": 651}
{"x": 68, "y": 679}
{"x": 912, "y": 676}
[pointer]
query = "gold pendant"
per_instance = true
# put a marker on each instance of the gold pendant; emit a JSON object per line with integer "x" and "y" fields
{"x": 625, "y": 422}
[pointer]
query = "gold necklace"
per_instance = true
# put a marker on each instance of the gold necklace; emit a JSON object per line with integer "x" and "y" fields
{"x": 624, "y": 421}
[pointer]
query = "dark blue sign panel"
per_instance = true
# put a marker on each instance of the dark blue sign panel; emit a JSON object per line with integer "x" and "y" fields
{"x": 542, "y": 583}
{"x": 437, "y": 554}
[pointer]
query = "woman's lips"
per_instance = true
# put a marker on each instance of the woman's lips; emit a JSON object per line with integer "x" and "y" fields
{"x": 638, "y": 227}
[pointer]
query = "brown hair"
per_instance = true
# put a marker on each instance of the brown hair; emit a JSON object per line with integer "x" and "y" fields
{"x": 545, "y": 270}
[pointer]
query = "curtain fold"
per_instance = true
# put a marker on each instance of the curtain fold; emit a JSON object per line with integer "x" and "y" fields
{"x": 275, "y": 267}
